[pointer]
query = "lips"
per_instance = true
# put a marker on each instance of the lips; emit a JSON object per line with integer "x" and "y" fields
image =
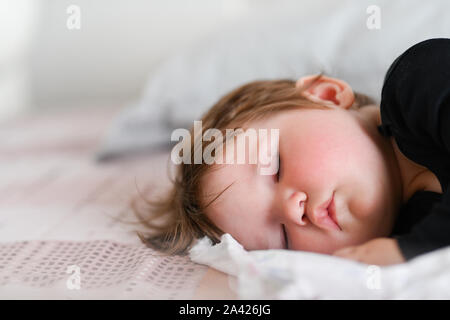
{"x": 325, "y": 215}
{"x": 332, "y": 212}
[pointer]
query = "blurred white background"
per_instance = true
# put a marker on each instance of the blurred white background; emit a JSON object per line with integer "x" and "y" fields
{"x": 44, "y": 65}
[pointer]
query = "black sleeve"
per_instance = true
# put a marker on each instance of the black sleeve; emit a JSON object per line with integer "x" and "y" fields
{"x": 415, "y": 104}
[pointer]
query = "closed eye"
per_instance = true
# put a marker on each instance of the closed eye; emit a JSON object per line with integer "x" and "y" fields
{"x": 278, "y": 174}
{"x": 286, "y": 241}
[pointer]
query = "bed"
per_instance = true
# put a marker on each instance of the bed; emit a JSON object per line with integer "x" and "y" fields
{"x": 66, "y": 178}
{"x": 61, "y": 235}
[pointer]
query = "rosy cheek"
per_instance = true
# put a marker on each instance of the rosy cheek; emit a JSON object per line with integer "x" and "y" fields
{"x": 318, "y": 156}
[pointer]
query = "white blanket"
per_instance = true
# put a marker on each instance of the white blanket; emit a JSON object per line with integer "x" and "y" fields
{"x": 284, "y": 274}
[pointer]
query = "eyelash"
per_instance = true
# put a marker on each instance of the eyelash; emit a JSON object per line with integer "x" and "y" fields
{"x": 285, "y": 236}
{"x": 279, "y": 168}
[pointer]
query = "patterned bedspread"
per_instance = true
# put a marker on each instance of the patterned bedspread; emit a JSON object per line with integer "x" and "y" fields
{"x": 63, "y": 217}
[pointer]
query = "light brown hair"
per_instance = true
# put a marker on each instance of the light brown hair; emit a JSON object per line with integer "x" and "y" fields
{"x": 177, "y": 219}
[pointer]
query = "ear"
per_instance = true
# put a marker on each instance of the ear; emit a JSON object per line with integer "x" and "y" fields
{"x": 327, "y": 90}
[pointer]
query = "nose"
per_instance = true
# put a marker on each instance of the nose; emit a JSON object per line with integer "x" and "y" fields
{"x": 294, "y": 208}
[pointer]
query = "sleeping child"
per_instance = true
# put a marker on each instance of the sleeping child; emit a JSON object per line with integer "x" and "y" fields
{"x": 354, "y": 180}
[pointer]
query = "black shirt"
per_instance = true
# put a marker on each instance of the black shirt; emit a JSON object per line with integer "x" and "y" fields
{"x": 415, "y": 110}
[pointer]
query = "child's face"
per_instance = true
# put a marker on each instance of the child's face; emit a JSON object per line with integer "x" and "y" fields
{"x": 323, "y": 153}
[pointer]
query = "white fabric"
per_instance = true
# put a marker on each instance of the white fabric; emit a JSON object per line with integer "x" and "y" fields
{"x": 286, "y": 40}
{"x": 284, "y": 274}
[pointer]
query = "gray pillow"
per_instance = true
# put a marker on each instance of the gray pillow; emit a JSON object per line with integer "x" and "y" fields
{"x": 288, "y": 40}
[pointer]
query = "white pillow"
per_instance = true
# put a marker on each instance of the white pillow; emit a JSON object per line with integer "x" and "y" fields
{"x": 287, "y": 40}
